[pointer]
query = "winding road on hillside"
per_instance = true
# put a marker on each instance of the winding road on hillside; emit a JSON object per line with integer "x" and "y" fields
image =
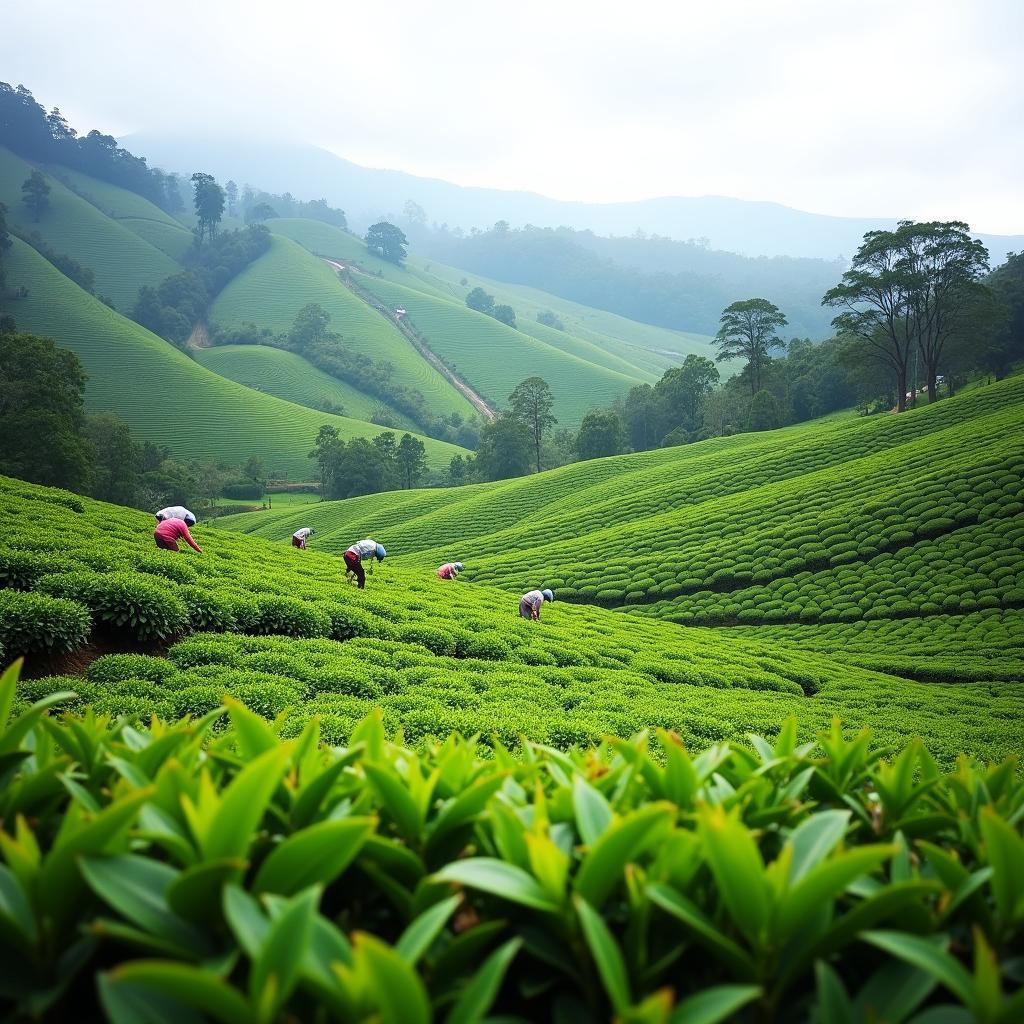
{"x": 414, "y": 338}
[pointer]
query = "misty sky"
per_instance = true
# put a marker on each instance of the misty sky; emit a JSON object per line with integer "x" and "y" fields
{"x": 874, "y": 108}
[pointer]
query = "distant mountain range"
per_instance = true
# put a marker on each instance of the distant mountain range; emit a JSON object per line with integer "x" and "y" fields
{"x": 367, "y": 194}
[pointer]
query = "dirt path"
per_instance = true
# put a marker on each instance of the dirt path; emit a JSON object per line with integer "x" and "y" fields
{"x": 200, "y": 337}
{"x": 417, "y": 341}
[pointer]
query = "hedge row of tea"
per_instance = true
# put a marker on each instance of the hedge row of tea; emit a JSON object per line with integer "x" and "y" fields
{"x": 189, "y": 872}
{"x": 282, "y": 630}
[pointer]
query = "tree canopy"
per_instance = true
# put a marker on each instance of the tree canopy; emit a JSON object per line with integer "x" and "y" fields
{"x": 747, "y": 331}
{"x": 387, "y": 241}
{"x": 531, "y": 402}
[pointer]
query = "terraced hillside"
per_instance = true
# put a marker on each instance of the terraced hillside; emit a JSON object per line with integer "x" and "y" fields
{"x": 132, "y": 211}
{"x": 287, "y": 375}
{"x": 284, "y": 633}
{"x": 845, "y": 521}
{"x": 121, "y": 260}
{"x": 162, "y": 394}
{"x": 274, "y": 288}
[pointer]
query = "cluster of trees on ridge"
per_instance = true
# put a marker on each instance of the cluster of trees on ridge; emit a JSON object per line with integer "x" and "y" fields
{"x": 46, "y": 437}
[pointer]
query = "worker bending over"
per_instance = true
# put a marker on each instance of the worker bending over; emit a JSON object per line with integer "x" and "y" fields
{"x": 299, "y": 537}
{"x": 170, "y": 531}
{"x": 176, "y": 512}
{"x": 362, "y": 549}
{"x": 530, "y": 604}
{"x": 449, "y": 570}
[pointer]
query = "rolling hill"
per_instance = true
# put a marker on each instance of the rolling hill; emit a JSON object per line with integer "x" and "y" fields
{"x": 608, "y": 340}
{"x": 121, "y": 260}
{"x": 907, "y": 524}
{"x": 274, "y": 288}
{"x": 289, "y": 376}
{"x": 163, "y": 394}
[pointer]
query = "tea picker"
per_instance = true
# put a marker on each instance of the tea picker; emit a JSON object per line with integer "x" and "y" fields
{"x": 449, "y": 570}
{"x": 354, "y": 557}
{"x": 300, "y": 537}
{"x": 530, "y": 604}
{"x": 169, "y": 531}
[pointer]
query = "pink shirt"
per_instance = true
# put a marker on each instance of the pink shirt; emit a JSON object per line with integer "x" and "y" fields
{"x": 447, "y": 571}
{"x": 174, "y": 530}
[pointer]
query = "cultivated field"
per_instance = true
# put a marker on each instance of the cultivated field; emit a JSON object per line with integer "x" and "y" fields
{"x": 287, "y": 375}
{"x": 273, "y": 289}
{"x": 164, "y": 395}
{"x": 121, "y": 260}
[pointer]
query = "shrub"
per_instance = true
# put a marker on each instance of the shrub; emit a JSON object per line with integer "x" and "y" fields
{"x": 288, "y": 616}
{"x": 36, "y": 623}
{"x": 146, "y": 610}
{"x": 21, "y": 570}
{"x": 114, "y": 668}
{"x": 208, "y": 610}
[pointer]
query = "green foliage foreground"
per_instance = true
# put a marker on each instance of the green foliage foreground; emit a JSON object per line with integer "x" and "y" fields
{"x": 180, "y": 874}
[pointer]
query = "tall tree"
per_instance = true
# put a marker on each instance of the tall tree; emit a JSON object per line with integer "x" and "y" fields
{"x": 116, "y": 460}
{"x": 1006, "y": 345}
{"x": 640, "y": 413}
{"x": 386, "y": 241}
{"x": 411, "y": 457}
{"x": 231, "y": 192}
{"x": 747, "y": 330}
{"x": 208, "y": 199}
{"x": 41, "y": 412}
{"x": 481, "y": 301}
{"x": 600, "y": 434}
{"x": 325, "y": 451}
{"x": 531, "y": 402}
{"x": 309, "y": 326}
{"x": 504, "y": 449}
{"x": 874, "y": 296}
{"x": 36, "y": 194}
{"x": 682, "y": 390}
{"x": 943, "y": 266}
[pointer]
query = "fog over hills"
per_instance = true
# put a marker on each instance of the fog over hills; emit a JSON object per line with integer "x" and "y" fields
{"x": 367, "y": 194}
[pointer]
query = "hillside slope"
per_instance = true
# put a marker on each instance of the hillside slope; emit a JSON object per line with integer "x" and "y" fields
{"x": 434, "y": 656}
{"x": 289, "y": 376}
{"x": 606, "y": 339}
{"x": 162, "y": 394}
{"x": 121, "y": 260}
{"x": 273, "y": 289}
{"x": 846, "y": 520}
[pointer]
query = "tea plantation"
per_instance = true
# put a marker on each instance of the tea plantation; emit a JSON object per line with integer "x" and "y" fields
{"x": 172, "y": 399}
{"x": 120, "y": 259}
{"x": 273, "y": 289}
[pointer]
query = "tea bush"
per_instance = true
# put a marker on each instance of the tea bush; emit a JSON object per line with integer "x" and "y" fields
{"x": 212, "y": 869}
{"x": 35, "y": 623}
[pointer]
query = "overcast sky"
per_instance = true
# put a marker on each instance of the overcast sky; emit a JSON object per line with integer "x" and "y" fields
{"x": 875, "y": 107}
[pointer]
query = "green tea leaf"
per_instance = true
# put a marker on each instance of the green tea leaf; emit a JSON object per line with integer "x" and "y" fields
{"x": 925, "y": 955}
{"x": 396, "y": 989}
{"x": 606, "y": 954}
{"x": 593, "y": 815}
{"x": 420, "y": 934}
{"x": 275, "y": 971}
{"x": 499, "y": 879}
{"x": 814, "y": 839}
{"x": 478, "y": 996}
{"x": 194, "y": 986}
{"x": 714, "y": 1004}
{"x": 316, "y": 855}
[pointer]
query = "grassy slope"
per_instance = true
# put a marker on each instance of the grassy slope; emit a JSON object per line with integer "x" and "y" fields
{"x": 592, "y": 334}
{"x": 438, "y": 656}
{"x": 162, "y": 394}
{"x": 134, "y": 212}
{"x": 120, "y": 259}
{"x": 274, "y": 288}
{"x": 812, "y": 525}
{"x": 288, "y": 376}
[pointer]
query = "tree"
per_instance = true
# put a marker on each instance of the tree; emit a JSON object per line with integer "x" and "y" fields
{"x": 255, "y": 471}
{"x": 548, "y": 319}
{"x": 5, "y": 244}
{"x": 41, "y": 412}
{"x": 309, "y": 326}
{"x": 942, "y": 266}
{"x": 682, "y": 390}
{"x": 457, "y": 470}
{"x": 1005, "y": 345}
{"x": 504, "y": 450}
{"x": 747, "y": 331}
{"x": 479, "y": 300}
{"x": 411, "y": 458}
{"x": 414, "y": 214}
{"x": 208, "y": 199}
{"x": 259, "y": 212}
{"x": 116, "y": 460}
{"x": 506, "y": 314}
{"x": 325, "y": 451}
{"x": 36, "y": 194}
{"x": 231, "y": 192}
{"x": 386, "y": 241}
{"x": 387, "y": 447}
{"x": 764, "y": 412}
{"x": 640, "y": 413}
{"x": 600, "y": 434}
{"x": 531, "y": 402}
